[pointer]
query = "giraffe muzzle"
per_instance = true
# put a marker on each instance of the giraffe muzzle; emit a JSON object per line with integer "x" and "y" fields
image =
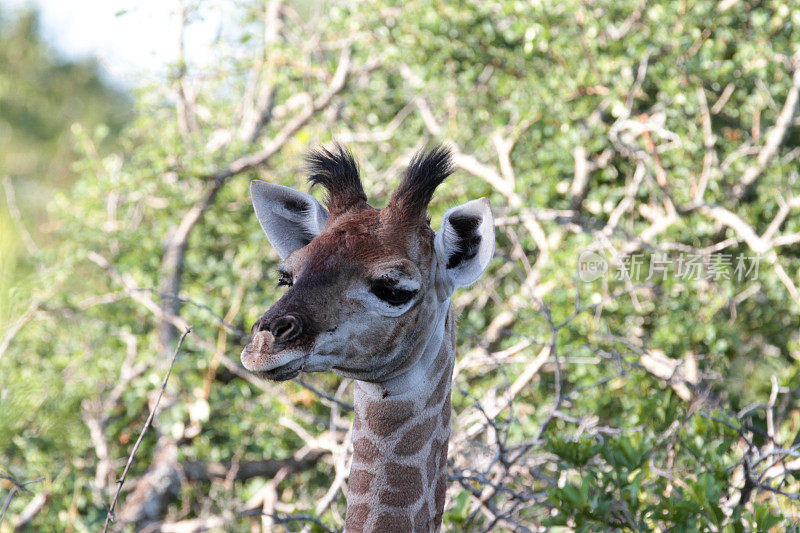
{"x": 271, "y": 353}
{"x": 266, "y": 356}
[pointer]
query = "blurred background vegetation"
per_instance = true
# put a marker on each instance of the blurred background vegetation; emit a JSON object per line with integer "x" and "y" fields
{"x": 629, "y": 128}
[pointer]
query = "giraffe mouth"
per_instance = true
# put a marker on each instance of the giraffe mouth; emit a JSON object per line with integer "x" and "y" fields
{"x": 261, "y": 359}
{"x": 285, "y": 372}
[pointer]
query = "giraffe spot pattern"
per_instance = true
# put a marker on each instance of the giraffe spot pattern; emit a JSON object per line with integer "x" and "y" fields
{"x": 384, "y": 418}
{"x": 438, "y": 393}
{"x": 422, "y": 519}
{"x": 440, "y": 361}
{"x": 357, "y": 516}
{"x": 446, "y": 413}
{"x": 406, "y": 482}
{"x": 432, "y": 461}
{"x": 416, "y": 437}
{"x": 364, "y": 451}
{"x": 441, "y": 489}
{"x": 360, "y": 481}
{"x": 393, "y": 523}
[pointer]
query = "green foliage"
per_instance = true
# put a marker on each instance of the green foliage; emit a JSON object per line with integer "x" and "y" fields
{"x": 41, "y": 97}
{"x": 44, "y": 100}
{"x": 596, "y": 440}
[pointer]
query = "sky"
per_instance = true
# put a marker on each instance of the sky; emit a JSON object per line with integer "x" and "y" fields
{"x": 134, "y": 40}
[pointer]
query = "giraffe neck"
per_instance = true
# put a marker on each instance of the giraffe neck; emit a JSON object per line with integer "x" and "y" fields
{"x": 400, "y": 436}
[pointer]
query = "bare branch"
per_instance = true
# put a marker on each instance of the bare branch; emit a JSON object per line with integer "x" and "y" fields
{"x": 17, "y": 486}
{"x": 206, "y": 471}
{"x": 710, "y": 159}
{"x": 17, "y": 326}
{"x": 110, "y": 516}
{"x": 30, "y": 511}
{"x": 187, "y": 120}
{"x": 175, "y": 247}
{"x": 774, "y": 137}
{"x": 13, "y": 209}
{"x": 259, "y": 113}
{"x": 742, "y": 228}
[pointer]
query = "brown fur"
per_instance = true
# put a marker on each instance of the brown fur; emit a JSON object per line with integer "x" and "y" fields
{"x": 393, "y": 523}
{"x": 416, "y": 437}
{"x": 360, "y": 481}
{"x": 406, "y": 485}
{"x": 364, "y": 451}
{"x": 384, "y": 418}
{"x": 356, "y": 517}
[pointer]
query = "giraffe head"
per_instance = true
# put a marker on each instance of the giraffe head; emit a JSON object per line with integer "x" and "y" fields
{"x": 366, "y": 286}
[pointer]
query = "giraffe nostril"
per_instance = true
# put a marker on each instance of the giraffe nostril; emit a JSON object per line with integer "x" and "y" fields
{"x": 260, "y": 325}
{"x": 286, "y": 328}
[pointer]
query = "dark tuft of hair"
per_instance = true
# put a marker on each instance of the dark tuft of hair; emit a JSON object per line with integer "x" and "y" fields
{"x": 336, "y": 170}
{"x": 425, "y": 172}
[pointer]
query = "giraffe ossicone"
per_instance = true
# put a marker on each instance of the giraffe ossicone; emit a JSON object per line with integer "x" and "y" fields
{"x": 369, "y": 298}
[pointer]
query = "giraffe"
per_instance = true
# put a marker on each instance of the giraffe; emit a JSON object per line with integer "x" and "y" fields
{"x": 369, "y": 297}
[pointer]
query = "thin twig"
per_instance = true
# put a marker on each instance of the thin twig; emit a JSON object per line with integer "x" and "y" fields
{"x": 346, "y": 406}
{"x": 13, "y": 208}
{"x": 17, "y": 487}
{"x": 110, "y": 517}
{"x": 291, "y": 518}
{"x": 17, "y": 326}
{"x": 774, "y": 138}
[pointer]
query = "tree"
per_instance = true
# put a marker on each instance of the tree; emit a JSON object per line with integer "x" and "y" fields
{"x": 43, "y": 97}
{"x": 619, "y": 133}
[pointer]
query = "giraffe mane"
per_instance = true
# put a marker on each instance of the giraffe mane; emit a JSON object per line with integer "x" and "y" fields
{"x": 337, "y": 171}
{"x": 426, "y": 171}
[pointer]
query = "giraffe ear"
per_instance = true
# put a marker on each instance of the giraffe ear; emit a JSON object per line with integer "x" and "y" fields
{"x": 290, "y": 218}
{"x": 465, "y": 243}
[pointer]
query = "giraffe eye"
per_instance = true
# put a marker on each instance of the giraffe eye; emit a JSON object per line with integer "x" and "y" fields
{"x": 389, "y": 292}
{"x": 285, "y": 279}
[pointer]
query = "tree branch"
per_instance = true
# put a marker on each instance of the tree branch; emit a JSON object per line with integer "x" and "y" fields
{"x": 110, "y": 516}
{"x": 175, "y": 247}
{"x": 203, "y": 471}
{"x": 774, "y": 138}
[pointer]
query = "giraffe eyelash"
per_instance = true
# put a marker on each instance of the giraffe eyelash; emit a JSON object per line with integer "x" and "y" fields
{"x": 285, "y": 279}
